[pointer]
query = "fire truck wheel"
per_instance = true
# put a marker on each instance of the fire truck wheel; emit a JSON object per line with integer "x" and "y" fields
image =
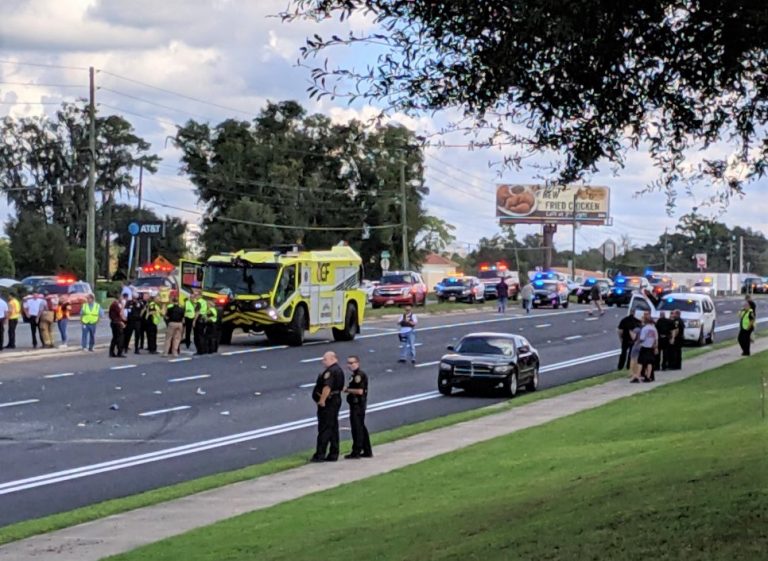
{"x": 295, "y": 335}
{"x": 350, "y": 325}
{"x": 226, "y": 334}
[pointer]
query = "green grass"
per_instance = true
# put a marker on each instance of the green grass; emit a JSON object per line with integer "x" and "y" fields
{"x": 680, "y": 473}
{"x": 81, "y": 515}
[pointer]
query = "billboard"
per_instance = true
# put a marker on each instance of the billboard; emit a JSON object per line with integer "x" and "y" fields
{"x": 538, "y": 204}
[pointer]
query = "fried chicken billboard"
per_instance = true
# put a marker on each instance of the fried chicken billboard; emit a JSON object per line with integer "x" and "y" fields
{"x": 535, "y": 204}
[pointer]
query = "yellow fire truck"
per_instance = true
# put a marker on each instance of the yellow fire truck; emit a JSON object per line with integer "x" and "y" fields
{"x": 284, "y": 292}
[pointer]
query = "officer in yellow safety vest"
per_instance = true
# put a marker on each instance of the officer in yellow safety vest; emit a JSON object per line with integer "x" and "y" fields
{"x": 746, "y": 327}
{"x": 90, "y": 314}
{"x": 152, "y": 315}
{"x": 189, "y": 321}
{"x": 201, "y": 318}
{"x": 14, "y": 313}
{"x": 212, "y": 328}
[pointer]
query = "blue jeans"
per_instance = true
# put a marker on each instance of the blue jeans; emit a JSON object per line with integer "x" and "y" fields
{"x": 502, "y": 304}
{"x": 527, "y": 305}
{"x": 89, "y": 336}
{"x": 63, "y": 330}
{"x": 408, "y": 347}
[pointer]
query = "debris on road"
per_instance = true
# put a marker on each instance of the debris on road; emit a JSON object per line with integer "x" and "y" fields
{"x": 225, "y": 413}
{"x": 200, "y": 391}
{"x": 157, "y": 392}
{"x": 114, "y": 407}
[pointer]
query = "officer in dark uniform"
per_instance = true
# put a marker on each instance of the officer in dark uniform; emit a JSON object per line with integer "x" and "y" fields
{"x": 327, "y": 395}
{"x": 212, "y": 329}
{"x": 357, "y": 398}
{"x": 133, "y": 328}
{"x": 676, "y": 340}
{"x": 664, "y": 327}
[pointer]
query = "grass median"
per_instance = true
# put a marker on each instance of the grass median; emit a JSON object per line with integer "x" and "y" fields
{"x": 81, "y": 515}
{"x": 678, "y": 473}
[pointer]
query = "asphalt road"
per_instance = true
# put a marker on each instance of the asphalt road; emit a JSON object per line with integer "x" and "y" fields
{"x": 82, "y": 428}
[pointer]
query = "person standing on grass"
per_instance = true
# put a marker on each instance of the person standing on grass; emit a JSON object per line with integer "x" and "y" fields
{"x": 357, "y": 398}
{"x": 526, "y": 295}
{"x": 649, "y": 348}
{"x": 90, "y": 314}
{"x": 625, "y": 330}
{"x": 327, "y": 395}
{"x": 746, "y": 327}
{"x": 502, "y": 291}
{"x": 676, "y": 340}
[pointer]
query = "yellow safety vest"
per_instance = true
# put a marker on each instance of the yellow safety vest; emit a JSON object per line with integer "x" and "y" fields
{"x": 14, "y": 309}
{"x": 213, "y": 313}
{"x": 203, "y": 307}
{"x": 189, "y": 309}
{"x": 153, "y": 311}
{"x": 746, "y": 319}
{"x": 89, "y": 314}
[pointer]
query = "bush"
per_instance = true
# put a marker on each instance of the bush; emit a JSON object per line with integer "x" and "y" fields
{"x": 112, "y": 287}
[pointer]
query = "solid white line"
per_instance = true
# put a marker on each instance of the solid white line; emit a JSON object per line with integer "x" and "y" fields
{"x": 544, "y": 325}
{"x": 572, "y": 337}
{"x": 201, "y": 446}
{"x": 161, "y": 411}
{"x": 306, "y": 360}
{"x": 187, "y": 378}
{"x": 60, "y": 375}
{"x": 183, "y": 359}
{"x": 123, "y": 367}
{"x": 23, "y": 402}
{"x": 256, "y": 350}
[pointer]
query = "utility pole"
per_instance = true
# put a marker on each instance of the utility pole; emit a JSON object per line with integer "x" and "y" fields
{"x": 138, "y": 218}
{"x": 573, "y": 241}
{"x": 403, "y": 213}
{"x": 90, "y": 233}
{"x": 666, "y": 248}
{"x": 741, "y": 255}
{"x": 730, "y": 265}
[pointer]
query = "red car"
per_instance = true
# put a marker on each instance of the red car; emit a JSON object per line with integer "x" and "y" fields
{"x": 398, "y": 288}
{"x": 66, "y": 289}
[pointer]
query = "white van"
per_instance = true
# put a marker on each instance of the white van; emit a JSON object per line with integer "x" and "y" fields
{"x": 696, "y": 310}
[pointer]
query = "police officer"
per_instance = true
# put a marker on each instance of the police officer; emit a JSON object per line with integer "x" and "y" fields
{"x": 746, "y": 326}
{"x": 676, "y": 340}
{"x": 134, "y": 315}
{"x": 198, "y": 326}
{"x": 189, "y": 320}
{"x": 357, "y": 397}
{"x": 327, "y": 395}
{"x": 151, "y": 320}
{"x": 212, "y": 328}
{"x": 14, "y": 313}
{"x": 664, "y": 326}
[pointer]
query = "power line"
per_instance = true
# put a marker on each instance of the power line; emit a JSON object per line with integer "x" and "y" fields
{"x": 43, "y": 85}
{"x": 179, "y": 94}
{"x": 43, "y": 65}
{"x": 456, "y": 168}
{"x": 139, "y": 115}
{"x": 142, "y": 100}
{"x": 474, "y": 195}
{"x": 31, "y": 102}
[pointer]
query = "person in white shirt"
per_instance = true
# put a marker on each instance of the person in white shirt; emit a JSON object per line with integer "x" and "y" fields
{"x": 649, "y": 348}
{"x": 3, "y": 321}
{"x": 33, "y": 307}
{"x": 407, "y": 335}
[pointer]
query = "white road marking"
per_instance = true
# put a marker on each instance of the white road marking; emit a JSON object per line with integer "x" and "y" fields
{"x": 307, "y": 385}
{"x": 183, "y": 359}
{"x": 123, "y": 367}
{"x": 187, "y": 378}
{"x": 316, "y": 343}
{"x": 544, "y": 325}
{"x": 572, "y": 337}
{"x": 161, "y": 411}
{"x": 423, "y": 364}
{"x": 307, "y": 360}
{"x": 591, "y": 319}
{"x": 23, "y": 402}
{"x": 728, "y": 312}
{"x": 60, "y": 375}
{"x": 256, "y": 350}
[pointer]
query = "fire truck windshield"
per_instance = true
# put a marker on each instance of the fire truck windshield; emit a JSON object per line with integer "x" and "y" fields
{"x": 247, "y": 280}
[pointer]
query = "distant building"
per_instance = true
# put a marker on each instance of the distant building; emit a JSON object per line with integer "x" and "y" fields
{"x": 435, "y": 268}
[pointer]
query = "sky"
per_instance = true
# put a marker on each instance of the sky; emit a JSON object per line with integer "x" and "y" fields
{"x": 161, "y": 63}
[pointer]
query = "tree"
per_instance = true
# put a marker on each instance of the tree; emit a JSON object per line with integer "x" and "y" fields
{"x": 435, "y": 235}
{"x": 7, "y": 266}
{"x": 288, "y": 177}
{"x": 586, "y": 79}
{"x": 40, "y": 248}
{"x": 44, "y": 164}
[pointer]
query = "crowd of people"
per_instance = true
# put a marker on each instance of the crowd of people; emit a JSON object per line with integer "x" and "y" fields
{"x": 649, "y": 345}
{"x": 41, "y": 311}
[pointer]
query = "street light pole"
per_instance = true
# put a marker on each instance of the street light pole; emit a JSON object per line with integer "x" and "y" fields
{"x": 90, "y": 229}
{"x": 665, "y": 250}
{"x": 573, "y": 241}
{"x": 730, "y": 266}
{"x": 404, "y": 214}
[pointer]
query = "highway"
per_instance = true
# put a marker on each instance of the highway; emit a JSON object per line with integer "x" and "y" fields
{"x": 82, "y": 428}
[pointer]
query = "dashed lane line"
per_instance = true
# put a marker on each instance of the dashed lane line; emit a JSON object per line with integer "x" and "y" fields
{"x": 572, "y": 337}
{"x": 60, "y": 375}
{"x": 163, "y": 411}
{"x": 22, "y": 402}
{"x": 188, "y": 378}
{"x": 123, "y": 367}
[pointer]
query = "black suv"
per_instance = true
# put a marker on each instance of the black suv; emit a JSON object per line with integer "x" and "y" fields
{"x": 490, "y": 360}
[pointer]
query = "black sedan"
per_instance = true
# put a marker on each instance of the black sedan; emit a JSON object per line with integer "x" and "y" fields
{"x": 490, "y": 360}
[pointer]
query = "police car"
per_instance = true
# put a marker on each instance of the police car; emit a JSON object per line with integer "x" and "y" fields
{"x": 548, "y": 290}
{"x": 583, "y": 293}
{"x": 623, "y": 289}
{"x": 696, "y": 310}
{"x": 459, "y": 288}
